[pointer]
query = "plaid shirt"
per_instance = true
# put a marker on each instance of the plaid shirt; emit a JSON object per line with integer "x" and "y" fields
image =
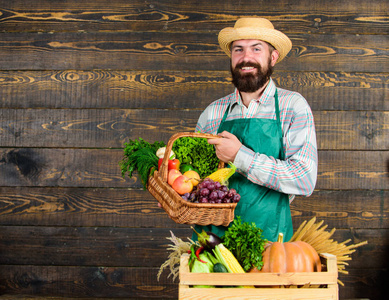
{"x": 296, "y": 175}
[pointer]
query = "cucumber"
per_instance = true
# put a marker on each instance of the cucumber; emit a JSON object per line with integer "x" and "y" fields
{"x": 219, "y": 268}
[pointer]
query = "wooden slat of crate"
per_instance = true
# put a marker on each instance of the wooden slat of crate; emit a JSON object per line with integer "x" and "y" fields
{"x": 267, "y": 284}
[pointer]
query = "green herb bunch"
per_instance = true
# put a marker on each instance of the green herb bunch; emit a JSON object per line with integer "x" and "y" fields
{"x": 141, "y": 156}
{"x": 197, "y": 152}
{"x": 246, "y": 242}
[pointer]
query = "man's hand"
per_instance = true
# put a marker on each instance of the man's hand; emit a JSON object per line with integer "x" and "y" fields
{"x": 227, "y": 147}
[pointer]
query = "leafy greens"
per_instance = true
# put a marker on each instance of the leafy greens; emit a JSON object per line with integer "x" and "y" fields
{"x": 246, "y": 242}
{"x": 140, "y": 155}
{"x": 197, "y": 152}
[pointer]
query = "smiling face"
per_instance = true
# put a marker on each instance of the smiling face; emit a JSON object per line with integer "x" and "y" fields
{"x": 252, "y": 63}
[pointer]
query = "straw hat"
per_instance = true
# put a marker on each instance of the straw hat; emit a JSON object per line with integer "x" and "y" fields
{"x": 255, "y": 29}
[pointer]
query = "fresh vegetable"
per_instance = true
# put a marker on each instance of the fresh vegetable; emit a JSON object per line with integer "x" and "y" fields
{"x": 219, "y": 268}
{"x": 246, "y": 242}
{"x": 187, "y": 167}
{"x": 201, "y": 267}
{"x": 321, "y": 240}
{"x": 140, "y": 155}
{"x": 198, "y": 252}
{"x": 171, "y": 164}
{"x": 198, "y": 153}
{"x": 161, "y": 153}
{"x": 297, "y": 256}
{"x": 223, "y": 174}
{"x": 207, "y": 239}
{"x": 228, "y": 259}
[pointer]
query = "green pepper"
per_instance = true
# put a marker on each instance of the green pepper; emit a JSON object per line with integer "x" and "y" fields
{"x": 187, "y": 167}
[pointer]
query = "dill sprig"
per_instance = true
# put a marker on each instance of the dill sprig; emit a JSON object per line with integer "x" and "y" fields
{"x": 140, "y": 156}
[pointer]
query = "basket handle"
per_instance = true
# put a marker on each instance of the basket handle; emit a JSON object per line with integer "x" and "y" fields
{"x": 164, "y": 165}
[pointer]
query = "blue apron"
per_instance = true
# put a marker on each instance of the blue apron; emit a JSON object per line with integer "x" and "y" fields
{"x": 267, "y": 208}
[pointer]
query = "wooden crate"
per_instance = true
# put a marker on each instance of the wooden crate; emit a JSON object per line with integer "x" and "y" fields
{"x": 304, "y": 285}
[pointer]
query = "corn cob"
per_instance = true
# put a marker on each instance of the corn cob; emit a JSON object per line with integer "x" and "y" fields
{"x": 232, "y": 263}
{"x": 229, "y": 261}
{"x": 223, "y": 174}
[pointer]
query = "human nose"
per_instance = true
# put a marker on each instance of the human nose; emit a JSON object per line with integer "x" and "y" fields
{"x": 247, "y": 55}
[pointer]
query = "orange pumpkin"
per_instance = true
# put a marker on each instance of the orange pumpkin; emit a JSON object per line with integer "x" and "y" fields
{"x": 298, "y": 256}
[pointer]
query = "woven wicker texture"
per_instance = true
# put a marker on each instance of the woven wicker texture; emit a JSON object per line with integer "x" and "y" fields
{"x": 180, "y": 210}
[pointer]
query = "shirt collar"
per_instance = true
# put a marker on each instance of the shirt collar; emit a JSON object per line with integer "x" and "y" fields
{"x": 266, "y": 98}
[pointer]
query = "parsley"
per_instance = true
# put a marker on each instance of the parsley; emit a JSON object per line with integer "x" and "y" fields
{"x": 197, "y": 152}
{"x": 246, "y": 242}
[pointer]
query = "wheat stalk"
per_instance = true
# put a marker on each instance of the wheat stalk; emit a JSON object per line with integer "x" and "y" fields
{"x": 320, "y": 239}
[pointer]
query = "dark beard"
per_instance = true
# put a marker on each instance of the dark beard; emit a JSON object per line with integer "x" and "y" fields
{"x": 250, "y": 83}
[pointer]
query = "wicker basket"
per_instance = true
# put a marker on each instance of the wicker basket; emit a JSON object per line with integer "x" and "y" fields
{"x": 180, "y": 210}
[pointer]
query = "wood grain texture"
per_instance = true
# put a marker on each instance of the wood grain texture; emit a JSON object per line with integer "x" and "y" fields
{"x": 79, "y": 78}
{"x": 134, "y": 247}
{"x": 181, "y": 89}
{"x": 107, "y": 281}
{"x": 339, "y": 170}
{"x": 181, "y": 51}
{"x": 96, "y": 282}
{"x": 111, "y": 128}
{"x": 356, "y": 17}
{"x": 88, "y": 207}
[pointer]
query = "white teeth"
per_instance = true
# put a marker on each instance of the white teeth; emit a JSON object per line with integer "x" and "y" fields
{"x": 247, "y": 68}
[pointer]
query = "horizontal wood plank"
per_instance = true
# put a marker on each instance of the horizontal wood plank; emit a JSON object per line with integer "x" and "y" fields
{"x": 85, "y": 207}
{"x": 137, "y": 283}
{"x": 342, "y": 170}
{"x": 181, "y": 51}
{"x": 356, "y": 17}
{"x": 79, "y": 282}
{"x": 111, "y": 128}
{"x": 141, "y": 247}
{"x": 181, "y": 89}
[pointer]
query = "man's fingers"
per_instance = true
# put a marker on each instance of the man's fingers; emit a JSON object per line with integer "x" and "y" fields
{"x": 215, "y": 141}
{"x": 226, "y": 134}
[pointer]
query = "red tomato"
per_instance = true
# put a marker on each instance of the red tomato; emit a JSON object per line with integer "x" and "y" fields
{"x": 160, "y": 163}
{"x": 172, "y": 164}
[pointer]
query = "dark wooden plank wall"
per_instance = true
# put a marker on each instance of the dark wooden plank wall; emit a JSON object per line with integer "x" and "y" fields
{"x": 79, "y": 78}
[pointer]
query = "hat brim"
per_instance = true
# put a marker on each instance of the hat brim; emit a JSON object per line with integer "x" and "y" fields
{"x": 272, "y": 36}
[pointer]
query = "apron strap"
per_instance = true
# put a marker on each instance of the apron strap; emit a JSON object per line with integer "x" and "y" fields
{"x": 278, "y": 117}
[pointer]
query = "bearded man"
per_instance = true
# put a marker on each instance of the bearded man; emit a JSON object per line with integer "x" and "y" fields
{"x": 268, "y": 132}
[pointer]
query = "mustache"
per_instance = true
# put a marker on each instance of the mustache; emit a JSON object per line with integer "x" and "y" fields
{"x": 247, "y": 64}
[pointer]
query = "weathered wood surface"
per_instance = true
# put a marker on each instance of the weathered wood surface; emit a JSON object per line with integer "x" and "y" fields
{"x": 356, "y": 17}
{"x": 80, "y": 78}
{"x": 192, "y": 90}
{"x": 111, "y": 128}
{"x": 137, "y": 247}
{"x": 116, "y": 282}
{"x": 100, "y": 168}
{"x": 50, "y": 206}
{"x": 182, "y": 51}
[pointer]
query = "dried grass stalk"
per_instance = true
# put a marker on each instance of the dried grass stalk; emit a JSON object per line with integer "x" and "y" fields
{"x": 319, "y": 239}
{"x": 177, "y": 248}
